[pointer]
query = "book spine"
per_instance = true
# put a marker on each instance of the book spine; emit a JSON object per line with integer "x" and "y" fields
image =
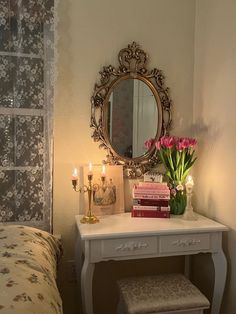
{"x": 158, "y": 208}
{"x": 152, "y": 191}
{"x": 152, "y": 185}
{"x": 145, "y": 202}
{"x": 150, "y": 214}
{"x": 159, "y": 188}
{"x": 150, "y": 196}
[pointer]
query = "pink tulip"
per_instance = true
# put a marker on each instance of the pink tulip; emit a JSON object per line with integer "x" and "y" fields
{"x": 148, "y": 144}
{"x": 167, "y": 141}
{"x": 185, "y": 142}
{"x": 179, "y": 146}
{"x": 175, "y": 153}
{"x": 192, "y": 142}
{"x": 158, "y": 145}
{"x": 179, "y": 143}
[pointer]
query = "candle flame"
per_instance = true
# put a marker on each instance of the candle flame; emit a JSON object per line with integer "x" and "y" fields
{"x": 189, "y": 180}
{"x": 90, "y": 166}
{"x": 103, "y": 169}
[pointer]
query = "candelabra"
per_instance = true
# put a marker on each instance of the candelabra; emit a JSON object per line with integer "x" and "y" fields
{"x": 89, "y": 218}
{"x": 189, "y": 214}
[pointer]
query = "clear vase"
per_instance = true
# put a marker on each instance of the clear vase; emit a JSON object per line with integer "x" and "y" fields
{"x": 178, "y": 201}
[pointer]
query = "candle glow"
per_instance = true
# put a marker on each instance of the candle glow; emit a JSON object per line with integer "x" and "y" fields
{"x": 189, "y": 214}
{"x": 103, "y": 170}
{"x": 189, "y": 183}
{"x": 90, "y": 172}
{"x": 75, "y": 174}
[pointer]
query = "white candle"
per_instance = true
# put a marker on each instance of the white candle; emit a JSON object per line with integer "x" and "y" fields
{"x": 103, "y": 170}
{"x": 75, "y": 174}
{"x": 90, "y": 172}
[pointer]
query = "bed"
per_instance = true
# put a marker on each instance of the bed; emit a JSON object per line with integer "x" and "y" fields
{"x": 28, "y": 264}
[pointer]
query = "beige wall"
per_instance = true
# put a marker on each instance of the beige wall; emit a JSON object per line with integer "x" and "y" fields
{"x": 214, "y": 118}
{"x": 90, "y": 35}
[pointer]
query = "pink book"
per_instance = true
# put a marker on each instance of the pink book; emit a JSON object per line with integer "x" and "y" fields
{"x": 158, "y": 208}
{"x": 145, "y": 202}
{"x": 149, "y": 214}
{"x": 152, "y": 191}
{"x": 151, "y": 197}
{"x": 152, "y": 185}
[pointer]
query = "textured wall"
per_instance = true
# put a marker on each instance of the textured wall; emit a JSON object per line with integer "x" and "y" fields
{"x": 214, "y": 119}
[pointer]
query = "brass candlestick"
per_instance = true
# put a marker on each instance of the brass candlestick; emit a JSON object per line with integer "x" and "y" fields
{"x": 89, "y": 218}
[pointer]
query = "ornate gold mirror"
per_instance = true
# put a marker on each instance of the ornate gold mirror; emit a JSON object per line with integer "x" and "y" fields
{"x": 130, "y": 104}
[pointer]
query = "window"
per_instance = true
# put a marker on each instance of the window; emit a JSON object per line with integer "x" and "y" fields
{"x": 26, "y": 104}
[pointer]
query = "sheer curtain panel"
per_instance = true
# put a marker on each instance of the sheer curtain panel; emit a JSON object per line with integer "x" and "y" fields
{"x": 27, "y": 32}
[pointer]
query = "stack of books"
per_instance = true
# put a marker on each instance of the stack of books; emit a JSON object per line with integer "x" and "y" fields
{"x": 151, "y": 199}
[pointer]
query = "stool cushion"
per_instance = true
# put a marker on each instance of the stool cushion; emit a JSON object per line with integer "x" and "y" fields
{"x": 160, "y": 293}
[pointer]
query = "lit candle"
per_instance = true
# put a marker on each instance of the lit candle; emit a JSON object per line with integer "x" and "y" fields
{"x": 103, "y": 171}
{"x": 74, "y": 178}
{"x": 90, "y": 172}
{"x": 103, "y": 174}
{"x": 75, "y": 174}
{"x": 189, "y": 184}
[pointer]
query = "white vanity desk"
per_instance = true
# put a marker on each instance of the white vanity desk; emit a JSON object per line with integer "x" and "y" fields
{"x": 121, "y": 237}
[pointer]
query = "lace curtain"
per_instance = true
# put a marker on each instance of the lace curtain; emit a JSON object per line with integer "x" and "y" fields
{"x": 26, "y": 103}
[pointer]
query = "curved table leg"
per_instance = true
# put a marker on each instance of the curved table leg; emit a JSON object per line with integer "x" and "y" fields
{"x": 86, "y": 285}
{"x": 78, "y": 259}
{"x": 220, "y": 265}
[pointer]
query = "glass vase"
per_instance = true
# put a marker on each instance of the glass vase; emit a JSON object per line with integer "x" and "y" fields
{"x": 178, "y": 201}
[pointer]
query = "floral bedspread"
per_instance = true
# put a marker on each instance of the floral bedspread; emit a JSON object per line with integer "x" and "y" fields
{"x": 28, "y": 260}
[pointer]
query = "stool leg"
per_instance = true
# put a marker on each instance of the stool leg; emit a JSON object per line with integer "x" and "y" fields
{"x": 120, "y": 307}
{"x": 187, "y": 266}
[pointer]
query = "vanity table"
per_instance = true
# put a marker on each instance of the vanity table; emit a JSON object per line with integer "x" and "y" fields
{"x": 121, "y": 237}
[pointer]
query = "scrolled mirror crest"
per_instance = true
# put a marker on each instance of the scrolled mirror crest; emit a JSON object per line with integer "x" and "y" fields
{"x": 132, "y": 66}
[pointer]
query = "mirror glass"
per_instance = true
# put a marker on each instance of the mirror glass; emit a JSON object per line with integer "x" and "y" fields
{"x": 132, "y": 117}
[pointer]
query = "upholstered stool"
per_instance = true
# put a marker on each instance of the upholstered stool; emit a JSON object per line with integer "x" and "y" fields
{"x": 170, "y": 293}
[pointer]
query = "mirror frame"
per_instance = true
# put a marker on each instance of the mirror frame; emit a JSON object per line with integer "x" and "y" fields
{"x": 132, "y": 64}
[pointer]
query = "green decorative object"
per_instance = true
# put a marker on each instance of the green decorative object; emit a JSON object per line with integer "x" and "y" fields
{"x": 178, "y": 201}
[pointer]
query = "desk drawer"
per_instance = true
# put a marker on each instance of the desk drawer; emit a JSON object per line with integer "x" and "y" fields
{"x": 184, "y": 243}
{"x": 128, "y": 247}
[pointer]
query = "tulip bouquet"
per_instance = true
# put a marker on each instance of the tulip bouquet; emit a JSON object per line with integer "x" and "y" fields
{"x": 177, "y": 155}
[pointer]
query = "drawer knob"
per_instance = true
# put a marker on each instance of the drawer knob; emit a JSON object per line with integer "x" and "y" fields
{"x": 186, "y": 242}
{"x": 131, "y": 246}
